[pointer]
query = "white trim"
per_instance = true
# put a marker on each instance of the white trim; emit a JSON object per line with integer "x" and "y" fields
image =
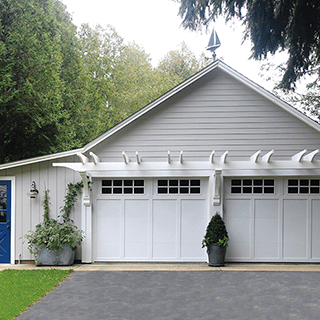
{"x": 13, "y": 217}
{"x": 254, "y": 157}
{"x": 40, "y": 159}
{"x": 265, "y": 167}
{"x": 297, "y": 157}
{"x": 94, "y": 157}
{"x": 310, "y": 156}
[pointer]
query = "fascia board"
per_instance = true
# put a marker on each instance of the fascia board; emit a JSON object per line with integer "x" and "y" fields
{"x": 268, "y": 95}
{"x": 40, "y": 159}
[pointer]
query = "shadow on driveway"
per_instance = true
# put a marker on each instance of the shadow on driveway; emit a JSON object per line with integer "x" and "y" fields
{"x": 181, "y": 295}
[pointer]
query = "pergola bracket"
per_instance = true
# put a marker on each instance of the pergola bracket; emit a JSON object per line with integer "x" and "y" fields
{"x": 310, "y": 156}
{"x": 298, "y": 157}
{"x": 223, "y": 158}
{"x": 125, "y": 157}
{"x": 94, "y": 157}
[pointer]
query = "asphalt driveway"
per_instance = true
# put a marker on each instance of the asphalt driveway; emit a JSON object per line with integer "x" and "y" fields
{"x": 182, "y": 295}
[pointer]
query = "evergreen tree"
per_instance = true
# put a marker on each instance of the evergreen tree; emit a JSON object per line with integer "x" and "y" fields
{"x": 271, "y": 25}
{"x": 30, "y": 85}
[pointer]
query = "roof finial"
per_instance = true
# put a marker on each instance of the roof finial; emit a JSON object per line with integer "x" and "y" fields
{"x": 214, "y": 43}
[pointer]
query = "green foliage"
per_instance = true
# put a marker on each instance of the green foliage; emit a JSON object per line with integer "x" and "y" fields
{"x": 181, "y": 63}
{"x": 271, "y": 26}
{"x": 216, "y": 232}
{"x": 30, "y": 86}
{"x": 54, "y": 234}
{"x": 70, "y": 199}
{"x": 135, "y": 83}
{"x": 19, "y": 289}
{"x": 61, "y": 87}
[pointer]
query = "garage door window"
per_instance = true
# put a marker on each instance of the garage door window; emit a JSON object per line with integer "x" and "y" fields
{"x": 122, "y": 187}
{"x": 252, "y": 186}
{"x": 176, "y": 186}
{"x": 303, "y": 186}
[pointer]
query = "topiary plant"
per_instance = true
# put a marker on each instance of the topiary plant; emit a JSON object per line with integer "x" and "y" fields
{"x": 216, "y": 232}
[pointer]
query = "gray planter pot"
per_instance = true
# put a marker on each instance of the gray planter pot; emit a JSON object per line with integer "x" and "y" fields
{"x": 63, "y": 257}
{"x": 216, "y": 255}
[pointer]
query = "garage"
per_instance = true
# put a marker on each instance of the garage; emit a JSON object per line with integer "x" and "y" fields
{"x": 275, "y": 219}
{"x": 149, "y": 219}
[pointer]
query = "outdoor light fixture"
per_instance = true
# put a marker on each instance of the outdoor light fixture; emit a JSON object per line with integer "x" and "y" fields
{"x": 33, "y": 193}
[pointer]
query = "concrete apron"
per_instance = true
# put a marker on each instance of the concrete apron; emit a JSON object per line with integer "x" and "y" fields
{"x": 135, "y": 266}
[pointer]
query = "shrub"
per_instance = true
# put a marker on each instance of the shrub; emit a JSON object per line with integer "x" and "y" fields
{"x": 216, "y": 232}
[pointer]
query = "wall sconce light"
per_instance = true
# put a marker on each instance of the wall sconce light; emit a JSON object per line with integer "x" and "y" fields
{"x": 33, "y": 193}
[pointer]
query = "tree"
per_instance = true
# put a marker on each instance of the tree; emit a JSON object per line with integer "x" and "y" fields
{"x": 181, "y": 63}
{"x": 271, "y": 25}
{"x": 61, "y": 87}
{"x": 135, "y": 82}
{"x": 100, "y": 50}
{"x": 30, "y": 85}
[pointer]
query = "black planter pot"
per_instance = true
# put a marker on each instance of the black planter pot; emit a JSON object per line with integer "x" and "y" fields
{"x": 216, "y": 255}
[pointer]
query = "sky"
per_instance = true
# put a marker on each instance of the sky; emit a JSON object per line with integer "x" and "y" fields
{"x": 156, "y": 27}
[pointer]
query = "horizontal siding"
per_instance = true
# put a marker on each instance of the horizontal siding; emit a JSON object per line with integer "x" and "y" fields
{"x": 29, "y": 211}
{"x": 215, "y": 113}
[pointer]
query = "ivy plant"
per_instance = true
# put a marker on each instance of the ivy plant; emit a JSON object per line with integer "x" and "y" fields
{"x": 54, "y": 234}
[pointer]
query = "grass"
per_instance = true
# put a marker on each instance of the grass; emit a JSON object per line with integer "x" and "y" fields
{"x": 19, "y": 289}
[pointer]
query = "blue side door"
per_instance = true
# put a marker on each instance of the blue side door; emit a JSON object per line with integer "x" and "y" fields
{"x": 5, "y": 221}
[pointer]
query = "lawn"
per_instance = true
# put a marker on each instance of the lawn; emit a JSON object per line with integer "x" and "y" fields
{"x": 21, "y": 288}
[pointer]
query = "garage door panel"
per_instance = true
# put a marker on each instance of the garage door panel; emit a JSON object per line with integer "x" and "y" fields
{"x": 136, "y": 228}
{"x": 266, "y": 217}
{"x": 295, "y": 229}
{"x": 315, "y": 207}
{"x": 108, "y": 229}
{"x": 278, "y": 226}
{"x": 164, "y": 239}
{"x": 193, "y": 227}
{"x": 237, "y": 218}
{"x": 151, "y": 226}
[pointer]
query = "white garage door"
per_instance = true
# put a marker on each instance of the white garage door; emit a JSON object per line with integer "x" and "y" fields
{"x": 150, "y": 219}
{"x": 273, "y": 219}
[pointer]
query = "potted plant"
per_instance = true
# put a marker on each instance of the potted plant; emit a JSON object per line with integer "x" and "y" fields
{"x": 216, "y": 241}
{"x": 54, "y": 241}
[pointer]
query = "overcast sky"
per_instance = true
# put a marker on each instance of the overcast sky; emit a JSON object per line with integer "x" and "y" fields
{"x": 155, "y": 26}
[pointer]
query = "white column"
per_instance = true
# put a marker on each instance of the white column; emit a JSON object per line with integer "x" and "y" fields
{"x": 216, "y": 187}
{"x": 86, "y": 223}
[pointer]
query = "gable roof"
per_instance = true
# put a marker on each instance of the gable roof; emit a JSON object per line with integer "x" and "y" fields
{"x": 215, "y": 65}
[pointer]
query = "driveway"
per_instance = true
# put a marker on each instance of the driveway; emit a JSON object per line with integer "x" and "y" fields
{"x": 182, "y": 295}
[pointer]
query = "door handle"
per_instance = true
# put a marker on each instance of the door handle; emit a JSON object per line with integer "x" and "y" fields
{"x": 8, "y": 227}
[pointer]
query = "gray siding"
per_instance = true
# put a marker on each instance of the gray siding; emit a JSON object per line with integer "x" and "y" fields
{"x": 29, "y": 211}
{"x": 215, "y": 113}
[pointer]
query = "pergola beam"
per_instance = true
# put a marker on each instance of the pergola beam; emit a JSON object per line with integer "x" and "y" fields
{"x": 94, "y": 157}
{"x": 83, "y": 158}
{"x": 211, "y": 158}
{"x": 138, "y": 157}
{"x": 254, "y": 157}
{"x": 298, "y": 157}
{"x": 310, "y": 156}
{"x": 181, "y": 157}
{"x": 223, "y": 158}
{"x": 125, "y": 157}
{"x": 267, "y": 156}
